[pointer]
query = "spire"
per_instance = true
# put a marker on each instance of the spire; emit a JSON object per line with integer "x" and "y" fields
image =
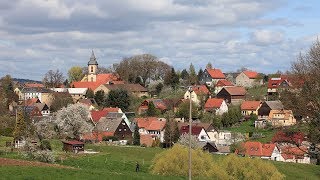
{"x": 93, "y": 60}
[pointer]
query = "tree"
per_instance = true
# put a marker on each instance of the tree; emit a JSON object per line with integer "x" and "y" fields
{"x": 184, "y": 74}
{"x": 159, "y": 88}
{"x": 99, "y": 97}
{"x": 20, "y": 127}
{"x": 7, "y": 92}
{"x": 151, "y": 111}
{"x": 53, "y": 79}
{"x": 184, "y": 141}
{"x": 171, "y": 78}
{"x": 146, "y": 66}
{"x": 176, "y": 132}
{"x": 172, "y": 162}
{"x": 89, "y": 93}
{"x": 209, "y": 66}
{"x": 75, "y": 74}
{"x": 200, "y": 73}
{"x": 136, "y": 136}
{"x": 183, "y": 110}
{"x": 118, "y": 98}
{"x": 192, "y": 75}
{"x": 73, "y": 120}
{"x": 168, "y": 140}
{"x": 60, "y": 100}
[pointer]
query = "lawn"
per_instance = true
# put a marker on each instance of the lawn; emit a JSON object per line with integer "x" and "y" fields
{"x": 115, "y": 162}
{"x": 247, "y": 126}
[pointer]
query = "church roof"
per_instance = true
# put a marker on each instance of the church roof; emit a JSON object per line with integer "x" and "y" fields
{"x": 93, "y": 60}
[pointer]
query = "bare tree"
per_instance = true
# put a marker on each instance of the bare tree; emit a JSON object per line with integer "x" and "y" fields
{"x": 53, "y": 79}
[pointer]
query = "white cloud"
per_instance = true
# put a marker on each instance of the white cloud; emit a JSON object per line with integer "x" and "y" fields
{"x": 267, "y": 37}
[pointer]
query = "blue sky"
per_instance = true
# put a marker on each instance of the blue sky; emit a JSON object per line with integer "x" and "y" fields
{"x": 266, "y": 36}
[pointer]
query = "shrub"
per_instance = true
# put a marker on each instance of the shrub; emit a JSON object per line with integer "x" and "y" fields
{"x": 6, "y": 132}
{"x": 173, "y": 162}
{"x": 45, "y": 145}
{"x": 44, "y": 156}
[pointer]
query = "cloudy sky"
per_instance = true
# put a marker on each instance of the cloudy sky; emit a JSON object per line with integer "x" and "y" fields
{"x": 266, "y": 36}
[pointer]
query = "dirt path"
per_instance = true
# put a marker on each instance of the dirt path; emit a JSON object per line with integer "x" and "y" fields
{"x": 18, "y": 162}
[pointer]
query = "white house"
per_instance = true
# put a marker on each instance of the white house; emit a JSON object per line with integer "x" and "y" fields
{"x": 198, "y": 131}
{"x": 152, "y": 126}
{"x": 198, "y": 93}
{"x": 219, "y": 106}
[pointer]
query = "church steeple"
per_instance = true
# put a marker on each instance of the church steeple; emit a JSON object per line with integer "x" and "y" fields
{"x": 92, "y": 68}
{"x": 93, "y": 60}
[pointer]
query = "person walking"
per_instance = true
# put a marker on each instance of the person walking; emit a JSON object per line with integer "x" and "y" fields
{"x": 137, "y": 167}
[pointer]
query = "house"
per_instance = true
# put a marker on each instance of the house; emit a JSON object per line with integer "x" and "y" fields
{"x": 97, "y": 115}
{"x": 43, "y": 108}
{"x": 198, "y": 93}
{"x": 42, "y": 94}
{"x": 281, "y": 118}
{"x": 90, "y": 103}
{"x": 218, "y": 106}
{"x": 206, "y": 126}
{"x": 92, "y": 80}
{"x": 210, "y": 147}
{"x": 231, "y": 77}
{"x": 114, "y": 126}
{"x": 267, "y": 106}
{"x": 276, "y": 84}
{"x": 134, "y": 89}
{"x": 73, "y": 146}
{"x": 248, "y": 79}
{"x": 250, "y": 107}
{"x": 159, "y": 104}
{"x": 264, "y": 151}
{"x": 211, "y": 76}
{"x": 77, "y": 93}
{"x": 33, "y": 85}
{"x": 197, "y": 131}
{"x": 295, "y": 154}
{"x": 233, "y": 95}
{"x": 172, "y": 103}
{"x": 152, "y": 126}
{"x": 221, "y": 84}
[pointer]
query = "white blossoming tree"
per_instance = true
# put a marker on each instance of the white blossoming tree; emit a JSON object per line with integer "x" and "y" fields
{"x": 184, "y": 140}
{"x": 73, "y": 120}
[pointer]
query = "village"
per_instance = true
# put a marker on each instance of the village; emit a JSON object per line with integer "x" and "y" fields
{"x": 219, "y": 102}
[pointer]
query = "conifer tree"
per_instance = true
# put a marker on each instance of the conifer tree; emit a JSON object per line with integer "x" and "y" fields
{"x": 136, "y": 136}
{"x": 168, "y": 134}
{"x": 152, "y": 111}
{"x": 20, "y": 127}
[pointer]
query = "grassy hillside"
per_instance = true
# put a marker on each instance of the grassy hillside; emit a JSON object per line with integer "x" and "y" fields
{"x": 119, "y": 163}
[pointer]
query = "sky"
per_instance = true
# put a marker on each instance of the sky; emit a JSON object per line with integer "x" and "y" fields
{"x": 265, "y": 36}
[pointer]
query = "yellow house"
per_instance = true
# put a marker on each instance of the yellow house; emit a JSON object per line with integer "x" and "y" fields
{"x": 281, "y": 118}
{"x": 250, "y": 107}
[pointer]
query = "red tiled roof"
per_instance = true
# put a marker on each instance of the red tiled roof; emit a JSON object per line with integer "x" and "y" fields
{"x": 101, "y": 79}
{"x": 97, "y": 115}
{"x": 213, "y": 103}
{"x": 235, "y": 90}
{"x": 258, "y": 149}
{"x": 288, "y": 152}
{"x": 195, "y": 130}
{"x": 251, "y": 74}
{"x": 156, "y": 125}
{"x": 150, "y": 123}
{"x": 31, "y": 102}
{"x": 96, "y": 136}
{"x": 146, "y": 139}
{"x": 250, "y": 105}
{"x": 73, "y": 142}
{"x": 200, "y": 89}
{"x": 216, "y": 73}
{"x": 223, "y": 82}
{"x": 34, "y": 85}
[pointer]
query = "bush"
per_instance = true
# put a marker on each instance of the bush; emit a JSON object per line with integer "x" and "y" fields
{"x": 45, "y": 145}
{"x": 173, "y": 162}
{"x": 6, "y": 132}
{"x": 44, "y": 156}
{"x": 108, "y": 138}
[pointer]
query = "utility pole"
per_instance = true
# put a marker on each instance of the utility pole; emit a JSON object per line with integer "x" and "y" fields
{"x": 190, "y": 127}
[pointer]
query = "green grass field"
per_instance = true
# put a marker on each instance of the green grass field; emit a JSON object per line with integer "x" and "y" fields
{"x": 114, "y": 162}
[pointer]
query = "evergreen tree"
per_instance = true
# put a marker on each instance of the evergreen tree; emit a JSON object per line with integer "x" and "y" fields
{"x": 176, "y": 132}
{"x": 152, "y": 111}
{"x": 90, "y": 93}
{"x": 159, "y": 88}
{"x": 171, "y": 78}
{"x": 209, "y": 66}
{"x": 99, "y": 97}
{"x": 200, "y": 73}
{"x": 168, "y": 134}
{"x": 136, "y": 136}
{"x": 20, "y": 127}
{"x": 118, "y": 98}
{"x": 184, "y": 74}
{"x": 192, "y": 75}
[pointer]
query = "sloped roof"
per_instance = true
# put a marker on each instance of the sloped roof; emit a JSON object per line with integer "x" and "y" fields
{"x": 101, "y": 79}
{"x": 250, "y": 105}
{"x": 216, "y": 73}
{"x": 251, "y": 74}
{"x": 213, "y": 103}
{"x": 200, "y": 89}
{"x": 35, "y": 90}
{"x": 93, "y": 60}
{"x": 258, "y": 149}
{"x": 82, "y": 91}
{"x": 34, "y": 85}
{"x": 150, "y": 123}
{"x": 195, "y": 130}
{"x": 286, "y": 113}
{"x": 89, "y": 102}
{"x": 206, "y": 126}
{"x": 31, "y": 102}
{"x": 41, "y": 106}
{"x": 89, "y": 85}
{"x": 288, "y": 152}
{"x": 111, "y": 109}
{"x": 235, "y": 90}
{"x": 158, "y": 103}
{"x": 223, "y": 82}
{"x": 108, "y": 124}
{"x": 156, "y": 125}
{"x": 97, "y": 115}
{"x": 275, "y": 104}
{"x": 275, "y": 82}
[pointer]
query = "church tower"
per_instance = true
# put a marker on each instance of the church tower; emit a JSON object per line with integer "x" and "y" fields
{"x": 92, "y": 68}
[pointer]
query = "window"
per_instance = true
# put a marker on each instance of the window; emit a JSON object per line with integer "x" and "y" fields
{"x": 92, "y": 69}
{"x": 119, "y": 129}
{"x": 91, "y": 79}
{"x": 125, "y": 129}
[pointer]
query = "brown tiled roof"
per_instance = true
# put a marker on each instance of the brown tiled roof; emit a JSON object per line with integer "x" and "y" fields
{"x": 200, "y": 89}
{"x": 223, "y": 82}
{"x": 213, "y": 103}
{"x": 235, "y": 90}
{"x": 251, "y": 74}
{"x": 250, "y": 105}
